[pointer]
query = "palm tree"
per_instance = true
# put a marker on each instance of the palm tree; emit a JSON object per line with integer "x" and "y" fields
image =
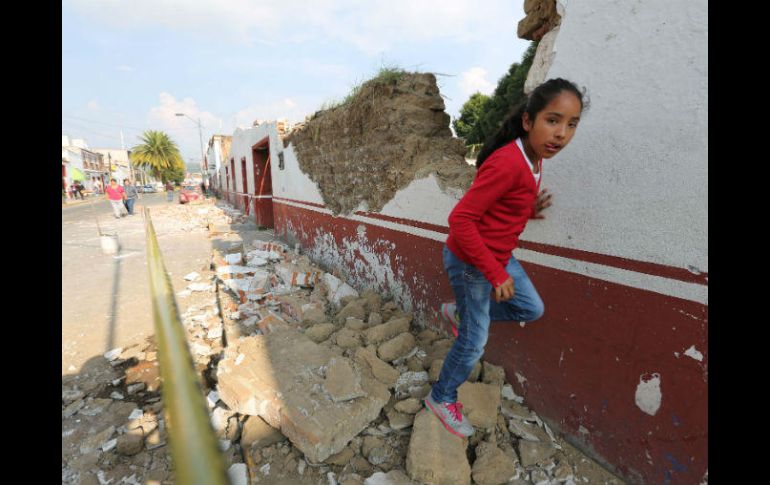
{"x": 159, "y": 153}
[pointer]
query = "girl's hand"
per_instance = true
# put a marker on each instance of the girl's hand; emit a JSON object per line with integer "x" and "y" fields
{"x": 504, "y": 291}
{"x": 543, "y": 201}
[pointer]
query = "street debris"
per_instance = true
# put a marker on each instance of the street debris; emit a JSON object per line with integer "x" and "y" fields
{"x": 308, "y": 381}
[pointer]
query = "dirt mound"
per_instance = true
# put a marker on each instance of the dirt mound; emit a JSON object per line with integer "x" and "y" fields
{"x": 390, "y": 132}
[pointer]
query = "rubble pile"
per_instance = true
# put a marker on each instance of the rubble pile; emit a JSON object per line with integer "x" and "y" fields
{"x": 198, "y": 216}
{"x": 308, "y": 381}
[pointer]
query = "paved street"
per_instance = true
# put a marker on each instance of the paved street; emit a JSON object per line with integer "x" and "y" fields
{"x": 105, "y": 298}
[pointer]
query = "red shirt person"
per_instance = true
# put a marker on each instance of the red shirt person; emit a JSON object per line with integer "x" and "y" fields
{"x": 115, "y": 194}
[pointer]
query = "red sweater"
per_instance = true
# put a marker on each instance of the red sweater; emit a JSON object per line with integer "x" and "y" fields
{"x": 484, "y": 226}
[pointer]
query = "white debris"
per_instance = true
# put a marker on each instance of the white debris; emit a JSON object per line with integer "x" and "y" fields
{"x": 200, "y": 287}
{"x": 113, "y": 354}
{"x": 508, "y": 393}
{"x": 71, "y": 368}
{"x": 200, "y": 349}
{"x": 116, "y": 395}
{"x": 183, "y": 293}
{"x": 224, "y": 445}
{"x": 301, "y": 467}
{"x": 109, "y": 445}
{"x": 214, "y": 333}
{"x": 238, "y": 474}
{"x": 102, "y": 479}
{"x": 695, "y": 354}
{"x": 235, "y": 258}
{"x": 239, "y": 359}
{"x": 265, "y": 469}
{"x": 212, "y": 398}
{"x": 192, "y": 276}
{"x": 135, "y": 414}
{"x": 250, "y": 321}
{"x": 332, "y": 479}
{"x": 337, "y": 289}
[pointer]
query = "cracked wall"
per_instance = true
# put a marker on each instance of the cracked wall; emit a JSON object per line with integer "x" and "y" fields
{"x": 388, "y": 134}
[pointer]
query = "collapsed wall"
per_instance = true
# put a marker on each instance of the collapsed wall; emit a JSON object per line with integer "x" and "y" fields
{"x": 392, "y": 131}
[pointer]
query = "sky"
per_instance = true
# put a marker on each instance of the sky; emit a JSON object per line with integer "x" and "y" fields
{"x": 130, "y": 66}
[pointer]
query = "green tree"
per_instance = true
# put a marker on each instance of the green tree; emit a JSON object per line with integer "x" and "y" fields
{"x": 159, "y": 153}
{"x": 467, "y": 125}
{"x": 482, "y": 115}
{"x": 509, "y": 92}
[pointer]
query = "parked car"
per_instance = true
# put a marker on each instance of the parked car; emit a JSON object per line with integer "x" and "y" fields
{"x": 189, "y": 193}
{"x": 149, "y": 188}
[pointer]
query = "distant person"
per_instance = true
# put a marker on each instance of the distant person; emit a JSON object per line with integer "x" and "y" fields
{"x": 98, "y": 186}
{"x": 203, "y": 188}
{"x": 116, "y": 195}
{"x": 169, "y": 191}
{"x": 131, "y": 195}
{"x": 79, "y": 189}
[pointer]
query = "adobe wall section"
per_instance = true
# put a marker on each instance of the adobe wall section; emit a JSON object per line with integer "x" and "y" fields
{"x": 389, "y": 134}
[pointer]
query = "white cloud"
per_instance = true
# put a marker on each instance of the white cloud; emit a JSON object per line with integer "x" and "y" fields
{"x": 182, "y": 129}
{"x": 93, "y": 106}
{"x": 475, "y": 80}
{"x": 124, "y": 68}
{"x": 371, "y": 26}
{"x": 287, "y": 108}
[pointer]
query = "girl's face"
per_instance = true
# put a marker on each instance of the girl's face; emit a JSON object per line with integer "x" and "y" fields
{"x": 553, "y": 126}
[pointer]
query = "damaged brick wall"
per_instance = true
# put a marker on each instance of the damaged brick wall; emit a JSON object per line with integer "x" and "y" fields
{"x": 541, "y": 17}
{"x": 394, "y": 130}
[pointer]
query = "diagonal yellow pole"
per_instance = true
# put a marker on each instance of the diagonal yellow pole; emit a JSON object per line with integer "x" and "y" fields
{"x": 194, "y": 446}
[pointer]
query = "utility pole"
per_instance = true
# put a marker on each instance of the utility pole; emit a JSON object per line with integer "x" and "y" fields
{"x": 204, "y": 174}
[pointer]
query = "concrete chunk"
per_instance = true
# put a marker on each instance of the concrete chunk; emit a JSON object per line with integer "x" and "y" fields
{"x": 280, "y": 379}
{"x": 319, "y": 333}
{"x": 382, "y": 371}
{"x": 385, "y": 331}
{"x": 342, "y": 383}
{"x": 534, "y": 452}
{"x": 396, "y": 347}
{"x": 481, "y": 403}
{"x": 256, "y": 432}
{"x": 435, "y": 455}
{"x": 492, "y": 465}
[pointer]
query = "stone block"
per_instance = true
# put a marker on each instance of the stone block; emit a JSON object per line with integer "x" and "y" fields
{"x": 493, "y": 374}
{"x": 257, "y": 433}
{"x": 319, "y": 333}
{"x": 353, "y": 309}
{"x": 382, "y": 371}
{"x": 342, "y": 383}
{"x": 534, "y": 452}
{"x": 348, "y": 339}
{"x": 481, "y": 403}
{"x": 279, "y": 377}
{"x": 492, "y": 465}
{"x": 396, "y": 347}
{"x": 435, "y": 455}
{"x": 408, "y": 406}
{"x": 385, "y": 331}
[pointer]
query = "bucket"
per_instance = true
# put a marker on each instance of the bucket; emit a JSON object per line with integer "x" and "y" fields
{"x": 110, "y": 244}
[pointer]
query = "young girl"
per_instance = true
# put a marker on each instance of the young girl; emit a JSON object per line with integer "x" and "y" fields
{"x": 484, "y": 228}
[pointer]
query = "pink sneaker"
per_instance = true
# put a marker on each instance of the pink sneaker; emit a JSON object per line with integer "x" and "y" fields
{"x": 451, "y": 416}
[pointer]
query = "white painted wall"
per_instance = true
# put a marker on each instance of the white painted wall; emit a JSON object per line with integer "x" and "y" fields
{"x": 291, "y": 182}
{"x": 243, "y": 140}
{"x": 633, "y": 182}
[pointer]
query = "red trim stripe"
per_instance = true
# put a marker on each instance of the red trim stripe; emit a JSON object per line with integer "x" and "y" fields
{"x": 654, "y": 269}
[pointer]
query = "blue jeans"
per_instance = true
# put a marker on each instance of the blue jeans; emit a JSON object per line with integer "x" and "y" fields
{"x": 477, "y": 308}
{"x": 130, "y": 205}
